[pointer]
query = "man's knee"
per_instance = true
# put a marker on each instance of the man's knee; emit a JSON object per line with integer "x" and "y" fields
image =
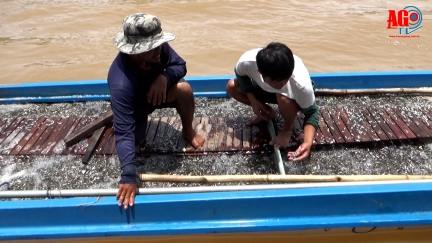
{"x": 232, "y": 87}
{"x": 179, "y": 90}
{"x": 284, "y": 101}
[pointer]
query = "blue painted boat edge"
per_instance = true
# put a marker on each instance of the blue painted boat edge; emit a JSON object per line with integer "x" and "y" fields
{"x": 221, "y": 212}
{"x": 206, "y": 86}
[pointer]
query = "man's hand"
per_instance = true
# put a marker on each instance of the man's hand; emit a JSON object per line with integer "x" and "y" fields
{"x": 126, "y": 195}
{"x": 261, "y": 110}
{"x": 301, "y": 153}
{"x": 157, "y": 92}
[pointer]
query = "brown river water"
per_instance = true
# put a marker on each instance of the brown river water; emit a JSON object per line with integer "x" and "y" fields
{"x": 56, "y": 40}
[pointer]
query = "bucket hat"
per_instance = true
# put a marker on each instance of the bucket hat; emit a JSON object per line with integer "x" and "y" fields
{"x": 141, "y": 33}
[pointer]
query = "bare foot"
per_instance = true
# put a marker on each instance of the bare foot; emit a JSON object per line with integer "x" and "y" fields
{"x": 282, "y": 139}
{"x": 255, "y": 119}
{"x": 196, "y": 140}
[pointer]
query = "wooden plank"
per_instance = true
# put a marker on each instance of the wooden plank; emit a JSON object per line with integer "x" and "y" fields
{"x": 411, "y": 124}
{"x": 4, "y": 146}
{"x": 87, "y": 130}
{"x": 374, "y": 125}
{"x": 212, "y": 134}
{"x": 38, "y": 145}
{"x": 34, "y": 138}
{"x": 66, "y": 128}
{"x": 151, "y": 134}
{"x": 12, "y": 126}
{"x": 357, "y": 131}
{"x": 332, "y": 126}
{"x": 325, "y": 131}
{"x": 53, "y": 139}
{"x": 388, "y": 125}
{"x": 161, "y": 133}
{"x": 319, "y": 137}
{"x": 229, "y": 142}
{"x": 362, "y": 123}
{"x": 105, "y": 149}
{"x": 345, "y": 132}
{"x": 80, "y": 149}
{"x": 76, "y": 127}
{"x": 22, "y": 143}
{"x": 13, "y": 139}
{"x": 106, "y": 134}
{"x": 428, "y": 117}
{"x": 6, "y": 124}
{"x": 238, "y": 134}
{"x": 405, "y": 129}
{"x": 246, "y": 142}
{"x": 221, "y": 135}
{"x": 92, "y": 145}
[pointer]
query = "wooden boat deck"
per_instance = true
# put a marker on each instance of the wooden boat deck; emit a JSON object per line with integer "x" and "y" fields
{"x": 341, "y": 125}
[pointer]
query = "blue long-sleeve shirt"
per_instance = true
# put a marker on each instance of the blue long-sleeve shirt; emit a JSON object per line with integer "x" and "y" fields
{"x": 128, "y": 86}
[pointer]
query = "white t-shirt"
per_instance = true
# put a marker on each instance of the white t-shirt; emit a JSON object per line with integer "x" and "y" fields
{"x": 299, "y": 87}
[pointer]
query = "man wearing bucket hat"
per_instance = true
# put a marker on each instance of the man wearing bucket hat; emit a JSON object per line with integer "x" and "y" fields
{"x": 147, "y": 74}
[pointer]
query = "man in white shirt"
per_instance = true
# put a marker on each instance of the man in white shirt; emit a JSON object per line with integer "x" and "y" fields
{"x": 274, "y": 75}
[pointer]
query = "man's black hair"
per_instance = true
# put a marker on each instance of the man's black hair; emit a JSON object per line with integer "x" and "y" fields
{"x": 275, "y": 61}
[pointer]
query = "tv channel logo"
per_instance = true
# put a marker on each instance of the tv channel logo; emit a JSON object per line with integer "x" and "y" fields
{"x": 406, "y": 21}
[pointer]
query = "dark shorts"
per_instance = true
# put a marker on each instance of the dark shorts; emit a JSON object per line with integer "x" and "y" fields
{"x": 264, "y": 96}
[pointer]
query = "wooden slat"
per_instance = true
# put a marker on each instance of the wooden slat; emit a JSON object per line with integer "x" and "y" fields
{"x": 405, "y": 129}
{"x": 336, "y": 116}
{"x": 422, "y": 126}
{"x": 38, "y": 145}
{"x": 246, "y": 138}
{"x": 375, "y": 126}
{"x": 221, "y": 135}
{"x": 229, "y": 142}
{"x": 388, "y": 131}
{"x": 151, "y": 134}
{"x": 416, "y": 130}
{"x": 158, "y": 140}
{"x": 213, "y": 135}
{"x": 238, "y": 134}
{"x": 92, "y": 145}
{"x": 22, "y": 143}
{"x": 325, "y": 131}
{"x": 107, "y": 133}
{"x": 82, "y": 149}
{"x": 74, "y": 148}
{"x": 13, "y": 139}
{"x": 34, "y": 138}
{"x": 332, "y": 125}
{"x": 388, "y": 125}
{"x": 428, "y": 117}
{"x": 53, "y": 138}
{"x": 67, "y": 128}
{"x": 12, "y": 126}
{"x": 358, "y": 132}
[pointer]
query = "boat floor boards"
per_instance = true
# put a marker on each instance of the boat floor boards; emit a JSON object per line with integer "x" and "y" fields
{"x": 337, "y": 125}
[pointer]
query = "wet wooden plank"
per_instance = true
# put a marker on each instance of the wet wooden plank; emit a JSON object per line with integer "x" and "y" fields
{"x": 92, "y": 145}
{"x": 151, "y": 134}
{"x": 105, "y": 149}
{"x": 38, "y": 145}
{"x": 22, "y": 143}
{"x": 411, "y": 124}
{"x": 107, "y": 133}
{"x": 80, "y": 150}
{"x": 53, "y": 139}
{"x": 221, "y": 135}
{"x": 387, "y": 124}
{"x": 67, "y": 128}
{"x": 213, "y": 134}
{"x": 332, "y": 126}
{"x": 12, "y": 126}
{"x": 319, "y": 137}
{"x": 169, "y": 140}
{"x": 34, "y": 138}
{"x": 15, "y": 137}
{"x": 81, "y": 145}
{"x": 428, "y": 118}
{"x": 161, "y": 133}
{"x": 229, "y": 142}
{"x": 6, "y": 124}
{"x": 362, "y": 124}
{"x": 336, "y": 116}
{"x": 325, "y": 131}
{"x": 358, "y": 132}
{"x": 238, "y": 134}
{"x": 86, "y": 131}
{"x": 374, "y": 125}
{"x": 396, "y": 119}
{"x": 246, "y": 142}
